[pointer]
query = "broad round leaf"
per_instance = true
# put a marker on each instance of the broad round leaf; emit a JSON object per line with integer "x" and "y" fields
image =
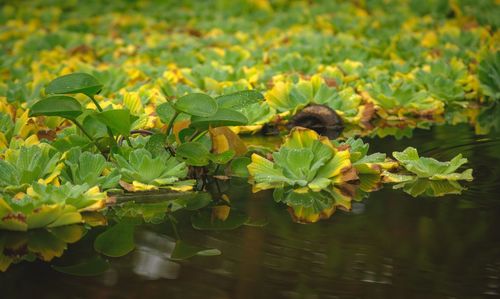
{"x": 194, "y": 201}
{"x": 223, "y": 117}
{"x": 239, "y": 167}
{"x": 193, "y": 153}
{"x": 62, "y": 106}
{"x": 240, "y": 99}
{"x": 165, "y": 111}
{"x": 74, "y": 83}
{"x": 197, "y": 104}
{"x": 116, "y": 241}
{"x": 118, "y": 120}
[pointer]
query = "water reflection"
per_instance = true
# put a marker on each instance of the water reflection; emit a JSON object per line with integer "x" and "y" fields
{"x": 152, "y": 256}
{"x": 42, "y": 244}
{"x": 389, "y": 245}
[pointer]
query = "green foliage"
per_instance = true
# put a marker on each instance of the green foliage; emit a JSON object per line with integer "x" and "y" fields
{"x": 364, "y": 163}
{"x": 196, "y": 104}
{"x": 117, "y": 240}
{"x": 62, "y": 106}
{"x": 432, "y": 169}
{"x": 140, "y": 166}
{"x": 196, "y": 154}
{"x": 74, "y": 83}
{"x": 223, "y": 117}
{"x": 118, "y": 120}
{"x": 304, "y": 160}
{"x": 88, "y": 168}
{"x": 489, "y": 75}
{"x": 403, "y": 95}
{"x": 27, "y": 165}
{"x": 48, "y": 206}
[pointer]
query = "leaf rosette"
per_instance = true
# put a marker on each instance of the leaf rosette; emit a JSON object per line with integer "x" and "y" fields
{"x": 49, "y": 206}
{"x": 305, "y": 160}
{"x": 429, "y": 168}
{"x": 141, "y": 171}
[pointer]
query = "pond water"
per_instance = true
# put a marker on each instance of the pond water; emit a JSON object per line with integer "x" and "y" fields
{"x": 389, "y": 246}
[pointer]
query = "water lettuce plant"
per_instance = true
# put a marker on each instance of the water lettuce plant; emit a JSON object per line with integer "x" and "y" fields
{"x": 152, "y": 123}
{"x": 49, "y": 206}
{"x": 366, "y": 164}
{"x": 304, "y": 161}
{"x": 141, "y": 171}
{"x": 26, "y": 165}
{"x": 89, "y": 168}
{"x": 430, "y": 168}
{"x": 427, "y": 176}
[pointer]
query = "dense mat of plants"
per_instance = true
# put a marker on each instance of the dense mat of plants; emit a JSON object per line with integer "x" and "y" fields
{"x": 105, "y": 99}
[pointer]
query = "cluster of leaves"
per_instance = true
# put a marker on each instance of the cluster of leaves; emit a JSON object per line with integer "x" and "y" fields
{"x": 428, "y": 176}
{"x": 394, "y": 70}
{"x": 162, "y": 159}
{"x": 382, "y": 74}
{"x": 311, "y": 174}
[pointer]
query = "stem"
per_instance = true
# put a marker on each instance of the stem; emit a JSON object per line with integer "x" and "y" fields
{"x": 142, "y": 132}
{"x": 79, "y": 125}
{"x": 200, "y": 135}
{"x": 96, "y": 103}
{"x": 110, "y": 133}
{"x": 128, "y": 141}
{"x": 171, "y": 123}
{"x": 193, "y": 135}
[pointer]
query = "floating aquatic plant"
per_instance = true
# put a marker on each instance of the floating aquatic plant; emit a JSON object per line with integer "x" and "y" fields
{"x": 141, "y": 171}
{"x": 304, "y": 160}
{"x": 88, "y": 168}
{"x": 429, "y": 168}
{"x": 49, "y": 206}
{"x": 24, "y": 166}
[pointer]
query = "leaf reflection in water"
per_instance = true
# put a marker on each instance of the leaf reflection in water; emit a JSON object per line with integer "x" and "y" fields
{"x": 44, "y": 244}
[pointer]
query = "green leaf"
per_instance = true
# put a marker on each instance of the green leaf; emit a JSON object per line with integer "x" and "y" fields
{"x": 74, "y": 83}
{"x": 184, "y": 251}
{"x": 156, "y": 144}
{"x": 489, "y": 75}
{"x": 186, "y": 133}
{"x": 165, "y": 111}
{"x": 91, "y": 267}
{"x": 193, "y": 153}
{"x": 239, "y": 100}
{"x": 222, "y": 158}
{"x": 118, "y": 120}
{"x": 62, "y": 106}
{"x": 116, "y": 241}
{"x": 223, "y": 117}
{"x": 431, "y": 168}
{"x": 192, "y": 201}
{"x": 140, "y": 166}
{"x": 304, "y": 159}
{"x": 204, "y": 221}
{"x": 239, "y": 167}
{"x": 196, "y": 104}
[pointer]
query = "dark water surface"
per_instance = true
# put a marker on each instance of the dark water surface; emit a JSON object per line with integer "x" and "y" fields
{"x": 390, "y": 246}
